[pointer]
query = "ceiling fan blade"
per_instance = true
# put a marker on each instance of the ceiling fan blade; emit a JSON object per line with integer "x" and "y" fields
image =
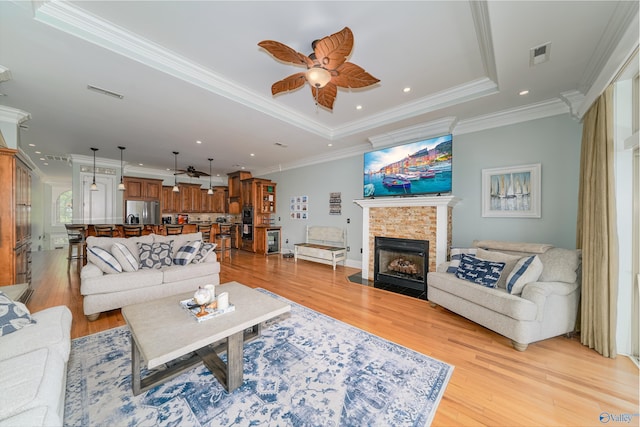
{"x": 325, "y": 95}
{"x": 350, "y": 75}
{"x": 292, "y": 82}
{"x": 332, "y": 51}
{"x": 285, "y": 53}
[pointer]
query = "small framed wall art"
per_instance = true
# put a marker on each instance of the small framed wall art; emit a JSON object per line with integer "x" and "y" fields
{"x": 512, "y": 192}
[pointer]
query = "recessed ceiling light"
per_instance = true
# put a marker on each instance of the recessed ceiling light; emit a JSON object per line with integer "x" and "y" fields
{"x": 198, "y": 142}
{"x": 358, "y": 107}
{"x": 523, "y": 92}
{"x": 252, "y": 155}
{"x": 42, "y": 158}
{"x": 46, "y": 164}
{"x": 329, "y": 145}
{"x": 242, "y": 167}
{"x": 406, "y": 89}
{"x": 32, "y": 145}
{"x": 140, "y": 164}
{"x": 38, "y": 152}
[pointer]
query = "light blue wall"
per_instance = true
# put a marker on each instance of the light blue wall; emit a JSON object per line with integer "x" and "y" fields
{"x": 317, "y": 182}
{"x": 553, "y": 142}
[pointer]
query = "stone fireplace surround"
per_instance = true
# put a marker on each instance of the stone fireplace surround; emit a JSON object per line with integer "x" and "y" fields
{"x": 424, "y": 218}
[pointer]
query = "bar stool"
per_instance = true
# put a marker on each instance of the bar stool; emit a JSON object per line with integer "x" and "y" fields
{"x": 172, "y": 229}
{"x": 131, "y": 230}
{"x": 223, "y": 240}
{"x": 76, "y": 235}
{"x": 206, "y": 232}
{"x": 104, "y": 230}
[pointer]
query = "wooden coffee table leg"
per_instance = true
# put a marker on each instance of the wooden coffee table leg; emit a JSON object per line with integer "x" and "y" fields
{"x": 235, "y": 364}
{"x": 135, "y": 367}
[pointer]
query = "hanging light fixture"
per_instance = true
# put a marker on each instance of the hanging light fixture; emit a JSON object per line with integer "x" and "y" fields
{"x": 210, "y": 192}
{"x": 175, "y": 171}
{"x": 94, "y": 187}
{"x": 121, "y": 185}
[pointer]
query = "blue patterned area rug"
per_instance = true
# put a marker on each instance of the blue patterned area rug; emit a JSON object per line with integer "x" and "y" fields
{"x": 306, "y": 369}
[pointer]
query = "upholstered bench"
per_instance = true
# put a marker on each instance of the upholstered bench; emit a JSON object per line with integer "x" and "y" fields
{"x": 325, "y": 245}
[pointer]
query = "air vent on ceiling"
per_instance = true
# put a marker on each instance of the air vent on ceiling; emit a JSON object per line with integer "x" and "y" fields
{"x": 281, "y": 145}
{"x": 57, "y": 158}
{"x": 539, "y": 54}
{"x": 105, "y": 91}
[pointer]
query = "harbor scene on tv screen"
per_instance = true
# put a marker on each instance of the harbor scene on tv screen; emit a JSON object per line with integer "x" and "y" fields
{"x": 422, "y": 167}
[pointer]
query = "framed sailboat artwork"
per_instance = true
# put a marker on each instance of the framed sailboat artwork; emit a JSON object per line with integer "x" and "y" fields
{"x": 511, "y": 192}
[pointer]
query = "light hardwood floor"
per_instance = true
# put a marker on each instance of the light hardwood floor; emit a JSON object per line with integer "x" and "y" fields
{"x": 555, "y": 382}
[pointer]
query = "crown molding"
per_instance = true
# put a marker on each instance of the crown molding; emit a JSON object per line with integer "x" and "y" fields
{"x": 77, "y": 22}
{"x": 620, "y": 22}
{"x": 413, "y": 133}
{"x": 13, "y": 115}
{"x": 574, "y": 100}
{"x": 481, "y": 22}
{"x": 5, "y": 74}
{"x": 551, "y": 107}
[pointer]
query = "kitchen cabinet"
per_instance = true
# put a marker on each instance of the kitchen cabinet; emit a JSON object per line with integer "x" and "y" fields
{"x": 219, "y": 201}
{"x": 190, "y": 198}
{"x": 267, "y": 240}
{"x": 235, "y": 191}
{"x": 142, "y": 188}
{"x": 170, "y": 201}
{"x": 266, "y": 198}
{"x": 15, "y": 227}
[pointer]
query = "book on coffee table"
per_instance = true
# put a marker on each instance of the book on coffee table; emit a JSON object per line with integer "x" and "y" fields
{"x": 194, "y": 309}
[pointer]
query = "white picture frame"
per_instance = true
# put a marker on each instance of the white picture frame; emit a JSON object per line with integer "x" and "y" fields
{"x": 512, "y": 192}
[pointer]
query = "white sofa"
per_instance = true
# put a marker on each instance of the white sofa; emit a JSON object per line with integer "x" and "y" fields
{"x": 541, "y": 308}
{"x": 33, "y": 370}
{"x": 104, "y": 291}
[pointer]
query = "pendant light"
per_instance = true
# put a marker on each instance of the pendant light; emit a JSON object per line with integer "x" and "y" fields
{"x": 175, "y": 171}
{"x": 94, "y": 187}
{"x": 121, "y": 185}
{"x": 210, "y": 192}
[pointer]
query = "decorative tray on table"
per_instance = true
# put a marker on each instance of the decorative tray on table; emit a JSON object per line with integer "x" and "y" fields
{"x": 210, "y": 309}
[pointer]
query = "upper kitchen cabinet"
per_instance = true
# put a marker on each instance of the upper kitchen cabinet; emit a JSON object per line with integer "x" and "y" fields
{"x": 190, "y": 198}
{"x": 235, "y": 191}
{"x": 170, "y": 201}
{"x": 142, "y": 188}
{"x": 216, "y": 202}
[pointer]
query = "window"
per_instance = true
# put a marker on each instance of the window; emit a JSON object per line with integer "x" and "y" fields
{"x": 64, "y": 208}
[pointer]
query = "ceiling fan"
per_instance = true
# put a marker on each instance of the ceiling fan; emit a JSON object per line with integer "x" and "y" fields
{"x": 327, "y": 68}
{"x": 191, "y": 171}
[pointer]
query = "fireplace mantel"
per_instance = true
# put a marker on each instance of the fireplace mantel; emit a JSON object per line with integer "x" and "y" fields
{"x": 442, "y": 205}
{"x": 397, "y": 202}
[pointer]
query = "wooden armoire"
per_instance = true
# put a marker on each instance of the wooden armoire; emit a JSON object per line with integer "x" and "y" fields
{"x": 15, "y": 219}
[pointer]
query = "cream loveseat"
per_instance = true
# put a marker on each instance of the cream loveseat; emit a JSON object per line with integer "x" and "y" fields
{"x": 33, "y": 364}
{"x": 104, "y": 288}
{"x": 536, "y": 297}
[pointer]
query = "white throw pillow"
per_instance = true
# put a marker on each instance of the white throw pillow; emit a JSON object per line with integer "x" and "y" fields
{"x": 104, "y": 260}
{"x": 527, "y": 270}
{"x": 456, "y": 255}
{"x": 509, "y": 263}
{"x": 125, "y": 257}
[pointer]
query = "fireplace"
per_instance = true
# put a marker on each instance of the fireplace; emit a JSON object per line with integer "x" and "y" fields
{"x": 401, "y": 262}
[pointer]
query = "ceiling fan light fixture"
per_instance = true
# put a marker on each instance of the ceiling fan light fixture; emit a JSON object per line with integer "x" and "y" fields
{"x": 318, "y": 77}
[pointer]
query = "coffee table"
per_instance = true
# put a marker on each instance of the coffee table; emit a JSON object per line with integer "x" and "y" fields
{"x": 163, "y": 333}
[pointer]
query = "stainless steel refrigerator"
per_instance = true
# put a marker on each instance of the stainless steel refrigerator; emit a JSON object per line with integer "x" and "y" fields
{"x": 140, "y": 212}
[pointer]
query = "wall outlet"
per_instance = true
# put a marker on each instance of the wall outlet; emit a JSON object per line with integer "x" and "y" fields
{"x": 348, "y": 220}
{"x": 286, "y": 242}
{"x": 348, "y": 248}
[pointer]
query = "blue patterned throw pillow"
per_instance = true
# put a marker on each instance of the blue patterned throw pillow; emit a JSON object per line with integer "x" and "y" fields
{"x": 13, "y": 315}
{"x": 155, "y": 255}
{"x": 187, "y": 252}
{"x": 485, "y": 273}
{"x": 456, "y": 256}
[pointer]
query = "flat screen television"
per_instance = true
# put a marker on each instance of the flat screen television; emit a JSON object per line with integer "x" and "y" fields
{"x": 422, "y": 167}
